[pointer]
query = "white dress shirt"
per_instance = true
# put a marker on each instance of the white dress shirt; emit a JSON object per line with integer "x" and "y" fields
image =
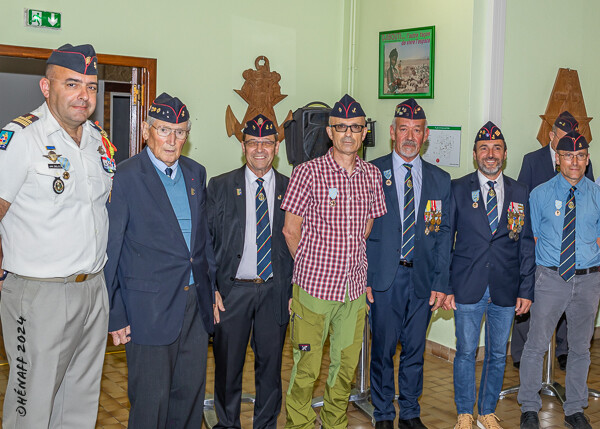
{"x": 498, "y": 188}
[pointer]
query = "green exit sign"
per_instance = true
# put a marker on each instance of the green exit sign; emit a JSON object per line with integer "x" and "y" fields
{"x": 42, "y": 18}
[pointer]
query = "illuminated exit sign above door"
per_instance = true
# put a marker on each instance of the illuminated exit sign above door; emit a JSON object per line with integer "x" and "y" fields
{"x": 42, "y": 18}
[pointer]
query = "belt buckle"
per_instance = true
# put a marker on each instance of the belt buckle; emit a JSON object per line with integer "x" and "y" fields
{"x": 81, "y": 278}
{"x": 258, "y": 280}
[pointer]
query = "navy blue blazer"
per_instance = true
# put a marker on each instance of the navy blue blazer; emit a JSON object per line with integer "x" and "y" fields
{"x": 432, "y": 252}
{"x": 537, "y": 168}
{"x": 149, "y": 262}
{"x": 227, "y": 225}
{"x": 480, "y": 259}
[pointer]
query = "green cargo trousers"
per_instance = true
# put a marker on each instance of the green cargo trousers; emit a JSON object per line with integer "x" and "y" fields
{"x": 311, "y": 321}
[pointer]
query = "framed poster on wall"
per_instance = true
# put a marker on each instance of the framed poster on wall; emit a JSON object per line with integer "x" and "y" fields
{"x": 406, "y": 63}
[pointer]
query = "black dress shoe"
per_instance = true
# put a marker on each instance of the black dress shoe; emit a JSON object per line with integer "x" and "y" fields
{"x": 530, "y": 420}
{"x": 384, "y": 424}
{"x": 517, "y": 364}
{"x": 577, "y": 421}
{"x": 562, "y": 362}
{"x": 415, "y": 423}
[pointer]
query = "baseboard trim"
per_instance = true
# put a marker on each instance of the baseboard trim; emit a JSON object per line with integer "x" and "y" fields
{"x": 447, "y": 353}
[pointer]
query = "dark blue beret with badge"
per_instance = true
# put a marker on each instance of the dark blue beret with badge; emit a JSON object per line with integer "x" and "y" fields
{"x": 259, "y": 126}
{"x": 409, "y": 109}
{"x": 566, "y": 122}
{"x": 169, "y": 109}
{"x": 489, "y": 132}
{"x": 347, "y": 108}
{"x": 572, "y": 142}
{"x": 80, "y": 58}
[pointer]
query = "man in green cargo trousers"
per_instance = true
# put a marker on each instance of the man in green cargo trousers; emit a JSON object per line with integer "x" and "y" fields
{"x": 330, "y": 205}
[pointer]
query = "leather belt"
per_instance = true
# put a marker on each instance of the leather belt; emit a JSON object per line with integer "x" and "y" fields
{"x": 256, "y": 280}
{"x": 581, "y": 272}
{"x": 75, "y": 278}
{"x": 404, "y": 263}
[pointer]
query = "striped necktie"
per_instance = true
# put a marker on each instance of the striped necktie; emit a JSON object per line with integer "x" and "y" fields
{"x": 264, "y": 268}
{"x": 408, "y": 226}
{"x": 492, "y": 207}
{"x": 567, "y": 248}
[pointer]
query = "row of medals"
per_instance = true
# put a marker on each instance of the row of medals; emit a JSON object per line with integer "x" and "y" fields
{"x": 515, "y": 224}
{"x": 434, "y": 219}
{"x": 58, "y": 185}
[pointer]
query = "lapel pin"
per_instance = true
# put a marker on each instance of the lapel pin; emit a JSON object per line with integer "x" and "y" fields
{"x": 238, "y": 191}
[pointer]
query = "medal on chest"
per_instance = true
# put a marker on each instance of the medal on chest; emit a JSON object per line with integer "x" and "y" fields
{"x": 475, "y": 198}
{"x": 516, "y": 220}
{"x": 333, "y": 193}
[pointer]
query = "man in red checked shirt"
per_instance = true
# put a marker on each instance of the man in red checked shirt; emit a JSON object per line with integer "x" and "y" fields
{"x": 330, "y": 205}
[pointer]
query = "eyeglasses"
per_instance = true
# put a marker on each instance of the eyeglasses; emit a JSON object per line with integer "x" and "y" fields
{"x": 570, "y": 156}
{"x": 166, "y": 132}
{"x": 254, "y": 143}
{"x": 341, "y": 128}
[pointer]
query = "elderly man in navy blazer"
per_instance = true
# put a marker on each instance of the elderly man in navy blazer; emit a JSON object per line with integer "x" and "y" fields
{"x": 491, "y": 274}
{"x": 538, "y": 167}
{"x": 254, "y": 277}
{"x": 160, "y": 273}
{"x": 409, "y": 255}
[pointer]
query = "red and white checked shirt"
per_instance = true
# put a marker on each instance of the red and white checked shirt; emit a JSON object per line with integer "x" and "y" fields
{"x": 331, "y": 254}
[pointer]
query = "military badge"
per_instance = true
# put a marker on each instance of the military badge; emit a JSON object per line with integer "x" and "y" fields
{"x": 5, "y": 136}
{"x": 388, "y": 175}
{"x": 58, "y": 185}
{"x": 238, "y": 191}
{"x": 108, "y": 164}
{"x": 475, "y": 198}
{"x": 52, "y": 156}
{"x": 516, "y": 220}
{"x": 558, "y": 205}
{"x": 64, "y": 163}
{"x": 333, "y": 193}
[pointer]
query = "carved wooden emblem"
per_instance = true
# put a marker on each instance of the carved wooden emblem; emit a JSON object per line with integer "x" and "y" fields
{"x": 261, "y": 91}
{"x": 566, "y": 95}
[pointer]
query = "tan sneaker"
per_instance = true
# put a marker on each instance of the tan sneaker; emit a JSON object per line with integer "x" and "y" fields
{"x": 488, "y": 421}
{"x": 465, "y": 421}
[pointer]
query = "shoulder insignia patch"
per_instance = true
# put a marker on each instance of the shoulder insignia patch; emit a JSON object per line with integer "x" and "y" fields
{"x": 5, "y": 136}
{"x": 25, "y": 120}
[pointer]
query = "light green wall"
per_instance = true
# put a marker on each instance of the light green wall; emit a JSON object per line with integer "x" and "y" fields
{"x": 202, "y": 49}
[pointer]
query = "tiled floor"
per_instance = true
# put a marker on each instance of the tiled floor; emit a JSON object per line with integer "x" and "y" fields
{"x": 437, "y": 402}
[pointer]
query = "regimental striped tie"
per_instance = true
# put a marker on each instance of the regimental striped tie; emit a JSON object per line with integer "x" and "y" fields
{"x": 567, "y": 248}
{"x": 264, "y": 269}
{"x": 492, "y": 207}
{"x": 408, "y": 226}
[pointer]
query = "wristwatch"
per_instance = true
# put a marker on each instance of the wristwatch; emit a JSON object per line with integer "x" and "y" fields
{"x": 4, "y": 275}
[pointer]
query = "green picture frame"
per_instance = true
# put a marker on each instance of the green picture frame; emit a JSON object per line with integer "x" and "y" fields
{"x": 406, "y": 63}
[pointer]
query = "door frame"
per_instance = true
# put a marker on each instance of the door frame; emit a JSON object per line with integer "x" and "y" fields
{"x": 143, "y": 85}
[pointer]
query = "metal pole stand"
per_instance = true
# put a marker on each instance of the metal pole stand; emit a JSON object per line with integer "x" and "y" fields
{"x": 549, "y": 386}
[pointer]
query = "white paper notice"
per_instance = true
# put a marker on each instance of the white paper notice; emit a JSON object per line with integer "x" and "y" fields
{"x": 443, "y": 147}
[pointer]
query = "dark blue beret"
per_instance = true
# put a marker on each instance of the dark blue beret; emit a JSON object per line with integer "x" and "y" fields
{"x": 260, "y": 126}
{"x": 489, "y": 132}
{"x": 81, "y": 58}
{"x": 566, "y": 122}
{"x": 347, "y": 108}
{"x": 572, "y": 142}
{"x": 169, "y": 109}
{"x": 409, "y": 109}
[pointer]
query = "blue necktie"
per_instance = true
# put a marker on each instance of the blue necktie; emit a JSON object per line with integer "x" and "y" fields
{"x": 492, "y": 207}
{"x": 168, "y": 171}
{"x": 263, "y": 233}
{"x": 567, "y": 248}
{"x": 408, "y": 226}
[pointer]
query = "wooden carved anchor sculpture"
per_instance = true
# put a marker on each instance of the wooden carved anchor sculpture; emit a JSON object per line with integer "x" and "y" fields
{"x": 261, "y": 91}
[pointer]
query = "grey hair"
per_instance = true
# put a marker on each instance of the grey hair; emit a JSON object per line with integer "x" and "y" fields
{"x": 150, "y": 121}
{"x": 394, "y": 123}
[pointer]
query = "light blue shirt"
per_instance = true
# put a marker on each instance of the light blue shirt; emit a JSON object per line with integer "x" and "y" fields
{"x": 161, "y": 166}
{"x": 550, "y": 197}
{"x": 400, "y": 174}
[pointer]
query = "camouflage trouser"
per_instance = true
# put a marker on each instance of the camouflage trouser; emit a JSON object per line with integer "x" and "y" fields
{"x": 312, "y": 319}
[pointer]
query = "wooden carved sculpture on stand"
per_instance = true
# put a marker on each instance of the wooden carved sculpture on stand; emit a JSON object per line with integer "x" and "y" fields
{"x": 566, "y": 95}
{"x": 261, "y": 91}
